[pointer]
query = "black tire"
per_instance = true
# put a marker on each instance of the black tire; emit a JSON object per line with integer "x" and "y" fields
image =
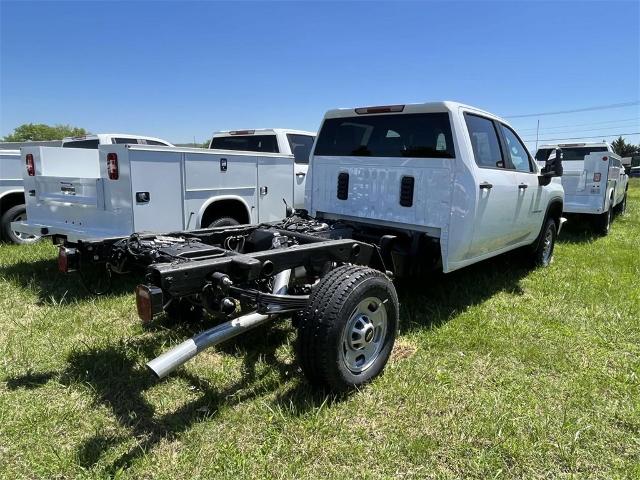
{"x": 16, "y": 213}
{"x": 181, "y": 310}
{"x": 224, "y": 222}
{"x": 543, "y": 253}
{"x": 621, "y": 208}
{"x": 603, "y": 222}
{"x": 334, "y": 306}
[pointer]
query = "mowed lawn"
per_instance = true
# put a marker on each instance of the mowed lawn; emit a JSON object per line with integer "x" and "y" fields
{"x": 500, "y": 372}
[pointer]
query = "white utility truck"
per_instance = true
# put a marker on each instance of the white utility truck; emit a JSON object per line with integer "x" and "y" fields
{"x": 391, "y": 190}
{"x": 12, "y": 169}
{"x": 296, "y": 143}
{"x": 594, "y": 180}
{"x": 145, "y": 187}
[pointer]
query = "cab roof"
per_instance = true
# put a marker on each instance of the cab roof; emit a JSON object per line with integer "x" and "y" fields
{"x": 260, "y": 131}
{"x": 427, "y": 107}
{"x": 99, "y": 136}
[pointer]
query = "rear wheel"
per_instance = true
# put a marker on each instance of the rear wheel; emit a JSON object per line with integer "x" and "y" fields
{"x": 347, "y": 331}
{"x": 543, "y": 253}
{"x": 603, "y": 222}
{"x": 224, "y": 222}
{"x": 621, "y": 208}
{"x": 15, "y": 214}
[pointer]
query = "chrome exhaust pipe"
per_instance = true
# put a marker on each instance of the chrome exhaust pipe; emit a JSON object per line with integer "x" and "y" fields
{"x": 181, "y": 354}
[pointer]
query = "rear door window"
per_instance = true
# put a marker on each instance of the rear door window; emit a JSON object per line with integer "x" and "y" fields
{"x": 130, "y": 141}
{"x": 484, "y": 140}
{"x": 248, "y": 143}
{"x": 578, "y": 153}
{"x": 90, "y": 144}
{"x": 300, "y": 146}
{"x": 421, "y": 135}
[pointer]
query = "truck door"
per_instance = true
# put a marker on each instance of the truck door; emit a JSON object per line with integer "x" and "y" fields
{"x": 275, "y": 187}
{"x": 301, "y": 149}
{"x": 157, "y": 190}
{"x": 530, "y": 203}
{"x": 497, "y": 190}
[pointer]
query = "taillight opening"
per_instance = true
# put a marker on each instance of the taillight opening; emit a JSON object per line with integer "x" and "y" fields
{"x": 112, "y": 166}
{"x": 148, "y": 302}
{"x": 31, "y": 166}
{"x": 596, "y": 177}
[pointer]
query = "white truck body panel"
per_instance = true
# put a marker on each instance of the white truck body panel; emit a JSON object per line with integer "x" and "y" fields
{"x": 180, "y": 183}
{"x": 10, "y": 172}
{"x": 584, "y": 194}
{"x": 471, "y": 223}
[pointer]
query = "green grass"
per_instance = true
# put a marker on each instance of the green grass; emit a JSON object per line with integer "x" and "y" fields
{"x": 500, "y": 371}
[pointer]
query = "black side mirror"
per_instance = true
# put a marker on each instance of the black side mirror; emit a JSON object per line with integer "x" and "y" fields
{"x": 553, "y": 167}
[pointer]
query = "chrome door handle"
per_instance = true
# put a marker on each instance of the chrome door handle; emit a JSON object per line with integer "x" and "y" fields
{"x": 523, "y": 186}
{"x": 486, "y": 186}
{"x": 300, "y": 174}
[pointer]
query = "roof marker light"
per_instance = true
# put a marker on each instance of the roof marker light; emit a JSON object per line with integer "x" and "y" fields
{"x": 380, "y": 109}
{"x": 242, "y": 132}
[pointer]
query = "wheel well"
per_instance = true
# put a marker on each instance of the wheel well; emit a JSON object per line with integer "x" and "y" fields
{"x": 10, "y": 200}
{"x": 225, "y": 208}
{"x": 555, "y": 212}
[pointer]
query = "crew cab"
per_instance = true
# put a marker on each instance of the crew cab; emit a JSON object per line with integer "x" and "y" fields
{"x": 12, "y": 200}
{"x": 391, "y": 191}
{"x": 130, "y": 187}
{"x": 595, "y": 182}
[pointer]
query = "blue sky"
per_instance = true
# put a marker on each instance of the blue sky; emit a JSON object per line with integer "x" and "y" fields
{"x": 180, "y": 70}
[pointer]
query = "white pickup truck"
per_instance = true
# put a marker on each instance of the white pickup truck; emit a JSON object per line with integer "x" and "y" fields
{"x": 594, "y": 180}
{"x": 117, "y": 190}
{"x": 12, "y": 200}
{"x": 391, "y": 190}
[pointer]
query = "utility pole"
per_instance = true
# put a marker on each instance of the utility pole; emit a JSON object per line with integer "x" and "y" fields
{"x": 537, "y": 130}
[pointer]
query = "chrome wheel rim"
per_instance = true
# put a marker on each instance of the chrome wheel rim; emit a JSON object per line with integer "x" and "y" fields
{"x": 547, "y": 248}
{"x": 25, "y": 237}
{"x": 364, "y": 334}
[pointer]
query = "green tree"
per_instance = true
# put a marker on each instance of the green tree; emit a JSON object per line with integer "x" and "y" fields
{"x": 624, "y": 149}
{"x": 40, "y": 131}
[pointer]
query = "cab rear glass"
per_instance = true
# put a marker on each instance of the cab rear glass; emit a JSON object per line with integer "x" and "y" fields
{"x": 568, "y": 153}
{"x": 91, "y": 144}
{"x": 417, "y": 135}
{"x": 247, "y": 143}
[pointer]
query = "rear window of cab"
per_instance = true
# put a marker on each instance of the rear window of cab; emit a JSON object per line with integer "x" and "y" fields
{"x": 416, "y": 135}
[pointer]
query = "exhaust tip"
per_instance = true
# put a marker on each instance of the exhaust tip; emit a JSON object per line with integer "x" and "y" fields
{"x": 172, "y": 359}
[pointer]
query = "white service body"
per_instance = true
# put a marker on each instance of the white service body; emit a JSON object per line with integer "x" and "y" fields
{"x": 594, "y": 179}
{"x": 158, "y": 189}
{"x": 450, "y": 203}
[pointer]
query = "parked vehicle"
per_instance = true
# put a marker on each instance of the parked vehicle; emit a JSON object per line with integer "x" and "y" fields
{"x": 391, "y": 191}
{"x": 297, "y": 143}
{"x": 594, "y": 181}
{"x": 634, "y": 166}
{"x": 143, "y": 187}
{"x": 12, "y": 200}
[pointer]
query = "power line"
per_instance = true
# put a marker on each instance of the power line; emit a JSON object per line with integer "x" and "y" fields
{"x": 580, "y": 124}
{"x": 586, "y": 130}
{"x": 581, "y": 138}
{"x": 586, "y": 109}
